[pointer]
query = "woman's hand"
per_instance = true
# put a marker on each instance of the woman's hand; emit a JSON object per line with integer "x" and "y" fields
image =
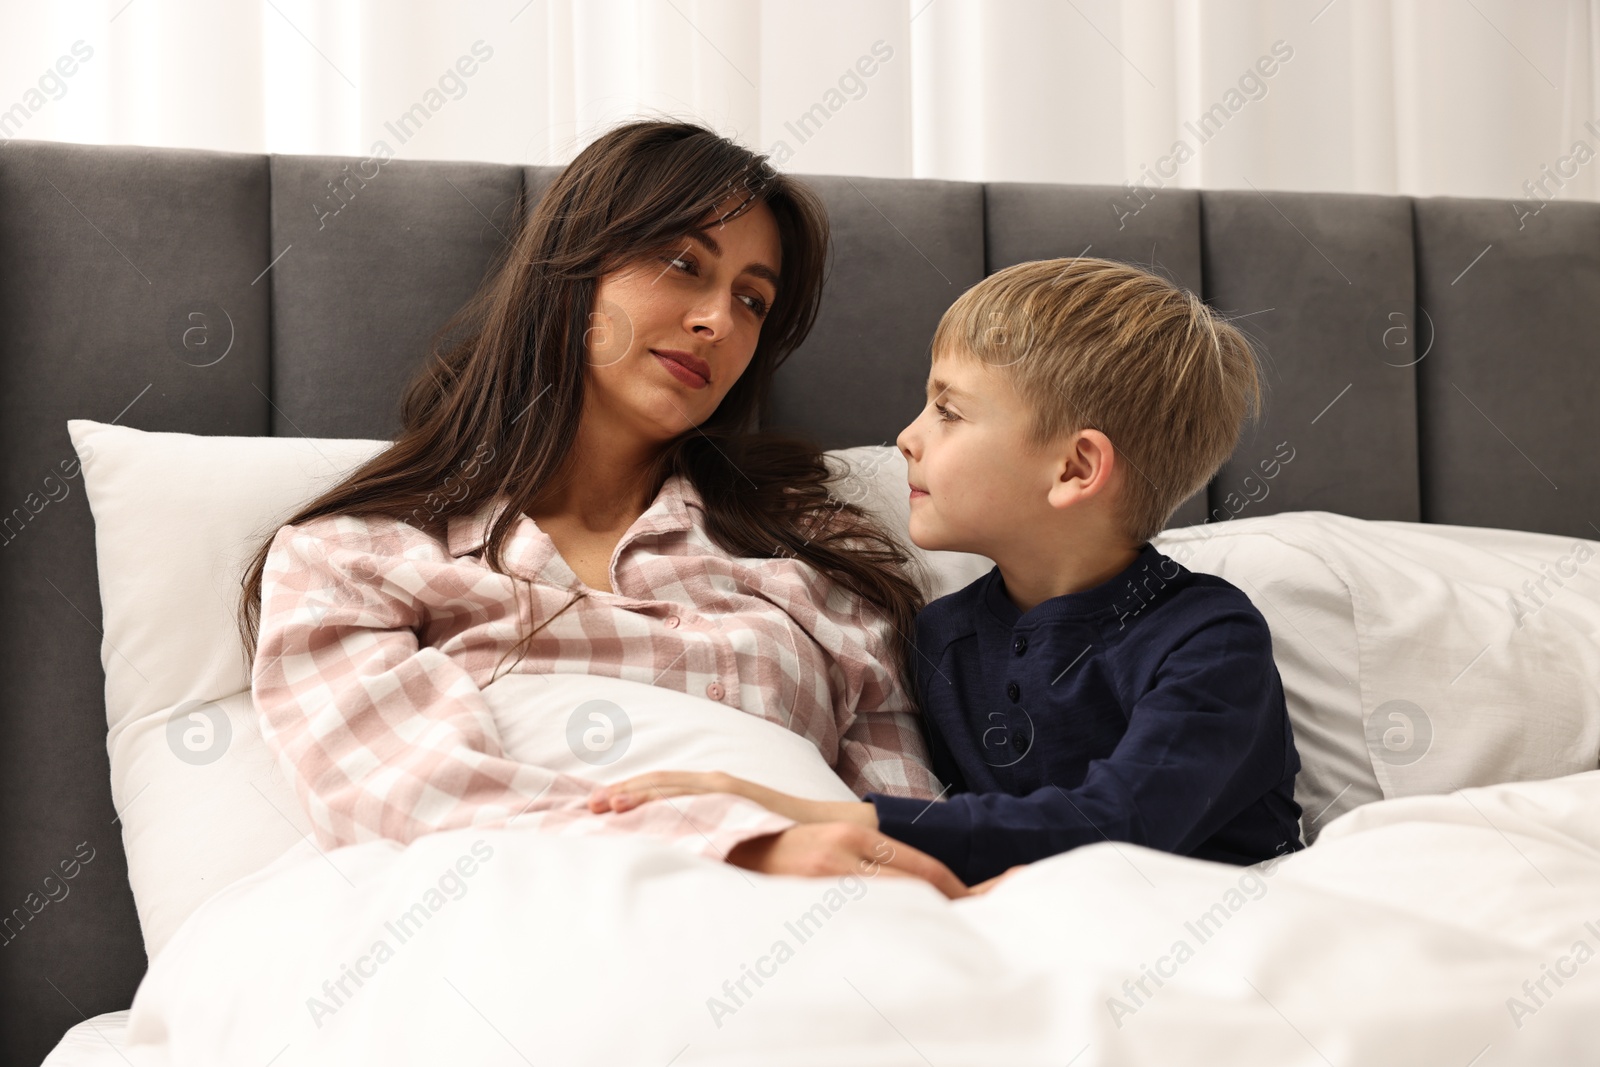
{"x": 836, "y": 838}
{"x": 828, "y": 849}
{"x": 630, "y": 793}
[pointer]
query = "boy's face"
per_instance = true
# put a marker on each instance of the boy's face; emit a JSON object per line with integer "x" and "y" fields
{"x": 975, "y": 484}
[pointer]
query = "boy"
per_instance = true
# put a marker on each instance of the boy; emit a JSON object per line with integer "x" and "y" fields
{"x": 1088, "y": 688}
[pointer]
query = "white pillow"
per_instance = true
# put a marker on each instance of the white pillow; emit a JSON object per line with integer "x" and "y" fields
{"x": 1405, "y": 668}
{"x": 202, "y": 803}
{"x": 1479, "y": 655}
{"x": 176, "y": 518}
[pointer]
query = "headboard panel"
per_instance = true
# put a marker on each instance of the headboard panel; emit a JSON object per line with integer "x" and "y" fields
{"x": 138, "y": 290}
{"x": 903, "y": 251}
{"x": 367, "y": 269}
{"x": 1508, "y": 395}
{"x": 1316, "y": 273}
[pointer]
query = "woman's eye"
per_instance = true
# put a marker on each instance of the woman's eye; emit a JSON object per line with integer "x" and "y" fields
{"x": 756, "y": 304}
{"x": 680, "y": 263}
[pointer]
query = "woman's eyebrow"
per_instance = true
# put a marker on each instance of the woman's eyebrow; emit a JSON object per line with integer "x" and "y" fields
{"x": 760, "y": 270}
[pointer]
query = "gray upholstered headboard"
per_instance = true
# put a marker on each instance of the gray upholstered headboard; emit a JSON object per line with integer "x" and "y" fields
{"x": 1427, "y": 360}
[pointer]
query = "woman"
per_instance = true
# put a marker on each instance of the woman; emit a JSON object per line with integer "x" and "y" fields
{"x": 588, "y": 438}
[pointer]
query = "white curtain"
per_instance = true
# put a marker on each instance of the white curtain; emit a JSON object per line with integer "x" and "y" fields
{"x": 1492, "y": 98}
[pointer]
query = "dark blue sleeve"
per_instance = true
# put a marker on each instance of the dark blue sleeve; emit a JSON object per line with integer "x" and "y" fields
{"x": 1191, "y": 759}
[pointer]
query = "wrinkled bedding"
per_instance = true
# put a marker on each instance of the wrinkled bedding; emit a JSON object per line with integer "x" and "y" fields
{"x": 1449, "y": 929}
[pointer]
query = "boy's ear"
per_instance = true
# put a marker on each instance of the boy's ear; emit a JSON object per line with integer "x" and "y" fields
{"x": 1087, "y": 464}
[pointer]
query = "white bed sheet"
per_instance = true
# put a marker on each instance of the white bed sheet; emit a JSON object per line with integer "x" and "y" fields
{"x": 1409, "y": 934}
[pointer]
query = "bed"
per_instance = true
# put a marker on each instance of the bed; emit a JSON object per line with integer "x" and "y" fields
{"x": 1423, "y": 559}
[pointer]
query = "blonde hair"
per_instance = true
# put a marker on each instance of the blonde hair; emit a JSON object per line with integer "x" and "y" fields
{"x": 1094, "y": 344}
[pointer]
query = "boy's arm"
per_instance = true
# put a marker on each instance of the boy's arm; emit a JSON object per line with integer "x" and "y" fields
{"x": 1189, "y": 762}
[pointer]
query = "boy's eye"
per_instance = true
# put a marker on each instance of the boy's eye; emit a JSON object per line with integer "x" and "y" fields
{"x": 944, "y": 413}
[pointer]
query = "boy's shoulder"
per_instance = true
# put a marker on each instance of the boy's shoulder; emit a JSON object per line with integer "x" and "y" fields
{"x": 1196, "y": 601}
{"x": 954, "y": 615}
{"x": 1211, "y": 592}
{"x": 1155, "y": 595}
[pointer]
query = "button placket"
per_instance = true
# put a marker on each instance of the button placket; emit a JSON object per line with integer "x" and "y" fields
{"x": 727, "y": 668}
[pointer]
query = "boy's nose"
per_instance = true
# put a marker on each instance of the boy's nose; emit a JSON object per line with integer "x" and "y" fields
{"x": 904, "y": 441}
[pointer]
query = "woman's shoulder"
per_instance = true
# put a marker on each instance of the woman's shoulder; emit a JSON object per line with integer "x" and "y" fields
{"x": 374, "y": 535}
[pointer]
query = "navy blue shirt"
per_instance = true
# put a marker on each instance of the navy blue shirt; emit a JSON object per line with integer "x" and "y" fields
{"x": 1146, "y": 709}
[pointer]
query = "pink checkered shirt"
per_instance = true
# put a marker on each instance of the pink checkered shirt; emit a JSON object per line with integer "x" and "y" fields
{"x": 376, "y": 641}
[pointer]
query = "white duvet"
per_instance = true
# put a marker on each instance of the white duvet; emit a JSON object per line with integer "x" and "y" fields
{"x": 1458, "y": 929}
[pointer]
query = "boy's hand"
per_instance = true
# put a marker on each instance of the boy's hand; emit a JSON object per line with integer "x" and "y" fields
{"x": 984, "y": 887}
{"x": 630, "y": 793}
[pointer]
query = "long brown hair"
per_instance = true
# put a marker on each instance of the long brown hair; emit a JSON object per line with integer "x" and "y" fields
{"x": 520, "y": 347}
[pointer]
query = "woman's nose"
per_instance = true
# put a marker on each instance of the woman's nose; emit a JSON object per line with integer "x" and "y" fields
{"x": 710, "y": 319}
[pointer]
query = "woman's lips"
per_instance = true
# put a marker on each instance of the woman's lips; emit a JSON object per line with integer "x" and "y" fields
{"x": 917, "y": 494}
{"x": 676, "y": 367}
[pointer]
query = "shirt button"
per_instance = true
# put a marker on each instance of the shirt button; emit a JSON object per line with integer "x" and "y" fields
{"x": 1020, "y": 645}
{"x": 672, "y": 621}
{"x": 1012, "y": 691}
{"x": 1019, "y": 742}
{"x": 714, "y": 690}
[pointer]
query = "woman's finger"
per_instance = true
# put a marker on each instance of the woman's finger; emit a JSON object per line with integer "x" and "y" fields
{"x": 619, "y": 799}
{"x": 921, "y": 865}
{"x": 640, "y": 784}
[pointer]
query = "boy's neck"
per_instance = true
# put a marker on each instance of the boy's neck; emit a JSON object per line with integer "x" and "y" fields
{"x": 1031, "y": 579}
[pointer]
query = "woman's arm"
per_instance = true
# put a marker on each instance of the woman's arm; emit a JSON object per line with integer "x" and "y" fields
{"x": 654, "y": 785}
{"x": 881, "y": 747}
{"x": 837, "y": 848}
{"x": 883, "y": 751}
{"x": 385, "y": 738}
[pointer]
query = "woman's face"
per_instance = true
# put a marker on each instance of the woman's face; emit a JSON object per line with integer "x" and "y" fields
{"x": 671, "y": 332}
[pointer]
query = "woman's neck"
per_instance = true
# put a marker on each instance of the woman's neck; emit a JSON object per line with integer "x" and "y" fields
{"x": 594, "y": 503}
{"x": 608, "y": 478}
{"x": 599, "y": 490}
